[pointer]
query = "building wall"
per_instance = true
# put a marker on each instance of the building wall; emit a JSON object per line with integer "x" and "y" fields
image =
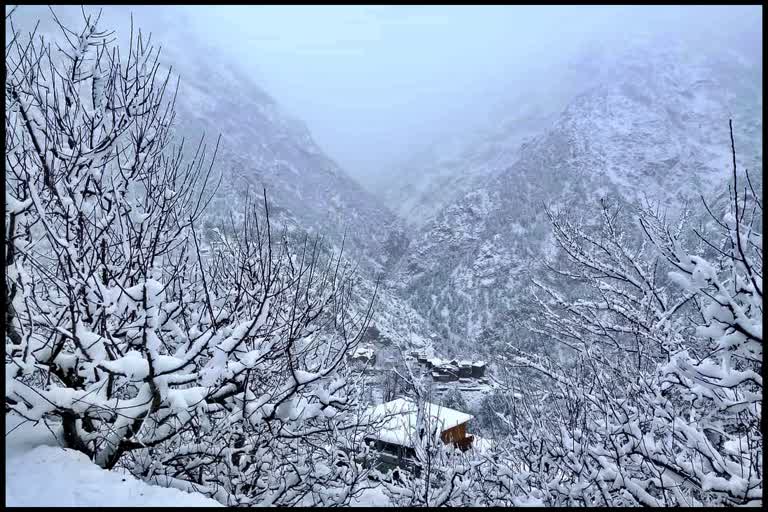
{"x": 455, "y": 434}
{"x": 391, "y": 455}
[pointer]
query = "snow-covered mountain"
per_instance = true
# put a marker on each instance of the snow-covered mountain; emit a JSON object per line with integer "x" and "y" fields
{"x": 459, "y": 226}
{"x": 651, "y": 74}
{"x": 651, "y": 122}
{"x": 263, "y": 146}
{"x": 448, "y": 168}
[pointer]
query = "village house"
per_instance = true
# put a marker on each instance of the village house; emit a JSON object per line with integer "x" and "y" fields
{"x": 450, "y": 371}
{"x": 394, "y": 440}
{"x": 364, "y": 355}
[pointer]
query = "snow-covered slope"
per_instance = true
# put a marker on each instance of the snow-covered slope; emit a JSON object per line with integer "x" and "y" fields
{"x": 650, "y": 73}
{"x": 448, "y": 168}
{"x": 444, "y": 170}
{"x": 39, "y": 473}
{"x": 262, "y": 146}
{"x": 654, "y": 125}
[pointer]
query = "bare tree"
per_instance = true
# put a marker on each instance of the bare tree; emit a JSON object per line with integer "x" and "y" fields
{"x": 275, "y": 390}
{"x": 660, "y": 403}
{"x": 100, "y": 209}
{"x": 218, "y": 372}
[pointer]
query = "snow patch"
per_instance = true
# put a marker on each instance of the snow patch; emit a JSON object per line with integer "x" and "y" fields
{"x": 39, "y": 473}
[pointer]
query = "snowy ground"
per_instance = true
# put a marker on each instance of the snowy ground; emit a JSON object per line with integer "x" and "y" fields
{"x": 41, "y": 473}
{"x": 372, "y": 497}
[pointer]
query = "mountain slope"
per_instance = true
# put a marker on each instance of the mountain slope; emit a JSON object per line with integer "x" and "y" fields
{"x": 656, "y": 125}
{"x": 262, "y": 147}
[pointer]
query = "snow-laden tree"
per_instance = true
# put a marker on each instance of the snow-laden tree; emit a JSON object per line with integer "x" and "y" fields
{"x": 216, "y": 370}
{"x": 660, "y": 403}
{"x": 98, "y": 208}
{"x": 281, "y": 402}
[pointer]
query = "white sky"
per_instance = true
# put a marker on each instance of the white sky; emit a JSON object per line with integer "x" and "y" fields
{"x": 375, "y": 82}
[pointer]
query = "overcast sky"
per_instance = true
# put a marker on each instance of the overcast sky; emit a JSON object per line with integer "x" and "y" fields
{"x": 374, "y": 82}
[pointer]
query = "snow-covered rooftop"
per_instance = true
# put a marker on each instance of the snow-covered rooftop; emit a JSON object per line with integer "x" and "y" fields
{"x": 364, "y": 352}
{"x": 399, "y": 417}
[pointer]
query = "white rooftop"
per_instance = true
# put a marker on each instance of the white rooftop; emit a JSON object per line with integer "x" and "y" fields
{"x": 399, "y": 417}
{"x": 364, "y": 352}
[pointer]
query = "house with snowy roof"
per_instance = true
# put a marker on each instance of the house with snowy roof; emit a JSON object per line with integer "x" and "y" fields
{"x": 397, "y": 429}
{"x": 447, "y": 371}
{"x": 364, "y": 355}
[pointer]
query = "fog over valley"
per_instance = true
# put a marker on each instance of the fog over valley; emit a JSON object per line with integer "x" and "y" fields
{"x": 384, "y": 255}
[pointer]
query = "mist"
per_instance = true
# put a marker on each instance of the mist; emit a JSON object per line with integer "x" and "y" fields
{"x": 371, "y": 82}
{"x": 390, "y": 256}
{"x": 375, "y": 83}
